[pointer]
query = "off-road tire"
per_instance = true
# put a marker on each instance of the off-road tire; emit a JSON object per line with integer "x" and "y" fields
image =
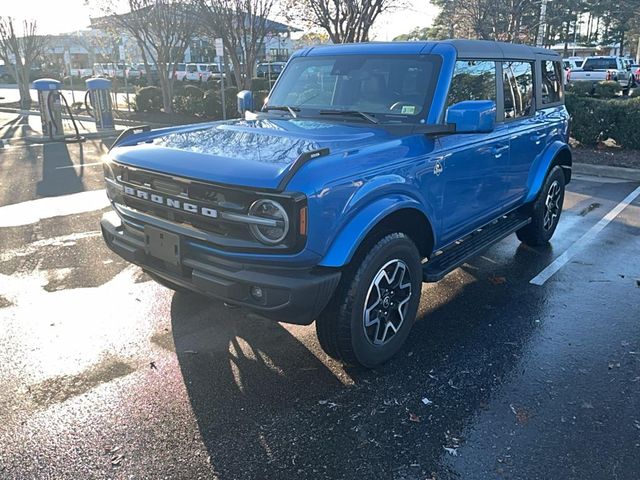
{"x": 536, "y": 234}
{"x": 340, "y": 327}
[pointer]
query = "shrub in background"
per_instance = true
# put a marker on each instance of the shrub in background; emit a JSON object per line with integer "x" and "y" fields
{"x": 607, "y": 89}
{"x": 212, "y": 103}
{"x": 258, "y": 84}
{"x": 189, "y": 100}
{"x": 596, "y": 119}
{"x": 580, "y": 88}
{"x": 148, "y": 99}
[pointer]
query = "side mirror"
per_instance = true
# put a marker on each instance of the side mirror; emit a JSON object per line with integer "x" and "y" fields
{"x": 245, "y": 101}
{"x": 472, "y": 116}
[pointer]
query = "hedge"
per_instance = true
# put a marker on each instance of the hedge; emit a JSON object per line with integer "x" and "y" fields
{"x": 595, "y": 119}
{"x": 148, "y": 99}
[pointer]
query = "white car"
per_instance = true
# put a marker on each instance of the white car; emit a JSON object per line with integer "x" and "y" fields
{"x": 598, "y": 69}
{"x": 181, "y": 71}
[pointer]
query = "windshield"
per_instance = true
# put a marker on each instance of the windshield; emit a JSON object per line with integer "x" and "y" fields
{"x": 192, "y": 68}
{"x": 394, "y": 88}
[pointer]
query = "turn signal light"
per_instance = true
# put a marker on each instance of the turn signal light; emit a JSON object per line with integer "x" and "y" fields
{"x": 303, "y": 221}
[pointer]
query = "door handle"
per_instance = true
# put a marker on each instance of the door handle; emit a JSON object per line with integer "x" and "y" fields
{"x": 498, "y": 149}
{"x": 538, "y": 137}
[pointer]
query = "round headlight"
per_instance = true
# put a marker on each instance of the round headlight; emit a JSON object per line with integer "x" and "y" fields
{"x": 274, "y": 231}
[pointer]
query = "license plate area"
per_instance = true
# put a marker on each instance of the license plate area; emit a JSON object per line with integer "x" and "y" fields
{"x": 162, "y": 245}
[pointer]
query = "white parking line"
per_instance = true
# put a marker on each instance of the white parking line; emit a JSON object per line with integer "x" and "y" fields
{"x": 33, "y": 211}
{"x": 79, "y": 165}
{"x": 562, "y": 260}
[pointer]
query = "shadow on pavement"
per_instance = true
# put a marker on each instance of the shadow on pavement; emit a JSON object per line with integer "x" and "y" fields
{"x": 20, "y": 123}
{"x": 59, "y": 176}
{"x": 266, "y": 407}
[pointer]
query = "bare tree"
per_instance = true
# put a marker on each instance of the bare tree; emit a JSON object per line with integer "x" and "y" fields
{"x": 242, "y": 25}
{"x": 23, "y": 51}
{"x": 345, "y": 21}
{"x": 163, "y": 29}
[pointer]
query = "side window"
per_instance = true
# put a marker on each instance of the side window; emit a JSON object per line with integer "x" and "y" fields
{"x": 518, "y": 89}
{"x": 472, "y": 80}
{"x": 551, "y": 82}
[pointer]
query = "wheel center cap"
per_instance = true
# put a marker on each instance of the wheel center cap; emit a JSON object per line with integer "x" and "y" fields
{"x": 386, "y": 301}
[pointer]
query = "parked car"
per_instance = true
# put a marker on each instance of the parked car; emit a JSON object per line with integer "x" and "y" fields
{"x": 373, "y": 167}
{"x": 195, "y": 72}
{"x": 269, "y": 70}
{"x": 107, "y": 70}
{"x": 180, "y": 73}
{"x": 214, "y": 72}
{"x": 134, "y": 73}
{"x": 572, "y": 62}
{"x": 81, "y": 73}
{"x": 598, "y": 69}
{"x": 635, "y": 74}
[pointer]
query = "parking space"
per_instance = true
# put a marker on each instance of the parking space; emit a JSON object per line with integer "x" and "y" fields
{"x": 105, "y": 374}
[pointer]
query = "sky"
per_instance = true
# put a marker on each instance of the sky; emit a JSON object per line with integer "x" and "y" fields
{"x": 71, "y": 15}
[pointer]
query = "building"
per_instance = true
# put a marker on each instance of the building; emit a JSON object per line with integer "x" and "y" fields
{"x": 278, "y": 45}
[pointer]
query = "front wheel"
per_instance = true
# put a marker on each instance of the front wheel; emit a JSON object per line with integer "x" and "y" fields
{"x": 375, "y": 305}
{"x": 545, "y": 211}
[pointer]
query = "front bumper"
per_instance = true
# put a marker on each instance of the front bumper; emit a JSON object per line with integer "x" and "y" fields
{"x": 289, "y": 295}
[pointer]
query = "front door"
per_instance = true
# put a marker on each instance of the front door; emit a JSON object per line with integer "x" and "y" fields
{"x": 475, "y": 180}
{"x": 474, "y": 166}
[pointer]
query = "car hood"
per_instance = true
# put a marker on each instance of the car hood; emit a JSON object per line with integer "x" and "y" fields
{"x": 256, "y": 153}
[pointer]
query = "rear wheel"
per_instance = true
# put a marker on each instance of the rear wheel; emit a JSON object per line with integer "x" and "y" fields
{"x": 375, "y": 305}
{"x": 545, "y": 211}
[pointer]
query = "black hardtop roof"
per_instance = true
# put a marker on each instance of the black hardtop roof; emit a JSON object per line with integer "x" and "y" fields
{"x": 468, "y": 49}
{"x": 490, "y": 49}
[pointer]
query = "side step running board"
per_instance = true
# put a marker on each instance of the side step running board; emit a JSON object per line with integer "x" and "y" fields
{"x": 471, "y": 245}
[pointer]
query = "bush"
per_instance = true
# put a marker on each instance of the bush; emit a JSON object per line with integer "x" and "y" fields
{"x": 581, "y": 88}
{"x": 607, "y": 89}
{"x": 148, "y": 99}
{"x": 258, "y": 84}
{"x": 595, "y": 119}
{"x": 189, "y": 101}
{"x": 212, "y": 103}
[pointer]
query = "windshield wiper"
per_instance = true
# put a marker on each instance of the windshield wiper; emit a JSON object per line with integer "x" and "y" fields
{"x": 283, "y": 108}
{"x": 364, "y": 115}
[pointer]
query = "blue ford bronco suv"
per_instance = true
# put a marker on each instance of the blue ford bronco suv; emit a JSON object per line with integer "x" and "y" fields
{"x": 370, "y": 169}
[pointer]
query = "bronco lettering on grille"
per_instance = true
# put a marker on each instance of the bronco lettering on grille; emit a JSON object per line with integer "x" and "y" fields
{"x": 171, "y": 202}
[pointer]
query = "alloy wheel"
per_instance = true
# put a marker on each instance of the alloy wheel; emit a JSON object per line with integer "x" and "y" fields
{"x": 551, "y": 206}
{"x": 387, "y": 302}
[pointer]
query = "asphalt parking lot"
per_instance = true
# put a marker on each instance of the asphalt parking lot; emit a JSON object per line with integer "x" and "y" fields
{"x": 104, "y": 374}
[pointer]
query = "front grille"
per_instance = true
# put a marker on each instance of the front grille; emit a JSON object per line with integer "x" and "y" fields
{"x": 227, "y": 232}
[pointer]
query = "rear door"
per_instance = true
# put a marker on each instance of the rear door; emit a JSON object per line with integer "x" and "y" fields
{"x": 528, "y": 129}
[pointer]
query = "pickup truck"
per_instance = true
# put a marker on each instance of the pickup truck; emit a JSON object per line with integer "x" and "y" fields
{"x": 599, "y": 69}
{"x": 370, "y": 169}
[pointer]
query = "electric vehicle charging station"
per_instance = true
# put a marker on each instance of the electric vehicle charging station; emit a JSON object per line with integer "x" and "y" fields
{"x": 50, "y": 107}
{"x": 98, "y": 102}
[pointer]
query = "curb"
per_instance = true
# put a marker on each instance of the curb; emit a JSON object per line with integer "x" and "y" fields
{"x": 607, "y": 171}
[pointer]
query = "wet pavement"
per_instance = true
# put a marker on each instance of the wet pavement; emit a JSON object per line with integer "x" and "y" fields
{"x": 105, "y": 374}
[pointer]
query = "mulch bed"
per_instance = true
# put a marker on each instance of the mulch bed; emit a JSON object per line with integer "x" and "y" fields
{"x": 613, "y": 157}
